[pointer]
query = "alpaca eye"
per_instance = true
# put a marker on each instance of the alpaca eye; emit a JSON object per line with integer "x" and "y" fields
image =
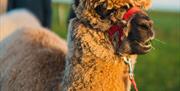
{"x": 102, "y": 11}
{"x": 76, "y": 3}
{"x": 144, "y": 26}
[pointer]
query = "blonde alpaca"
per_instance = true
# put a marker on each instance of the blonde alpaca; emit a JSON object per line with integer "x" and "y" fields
{"x": 93, "y": 64}
{"x": 16, "y": 19}
{"x": 31, "y": 58}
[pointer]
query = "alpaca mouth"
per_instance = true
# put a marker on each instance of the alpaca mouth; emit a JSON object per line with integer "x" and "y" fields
{"x": 145, "y": 46}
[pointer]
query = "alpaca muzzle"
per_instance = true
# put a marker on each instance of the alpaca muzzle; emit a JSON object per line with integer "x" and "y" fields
{"x": 116, "y": 33}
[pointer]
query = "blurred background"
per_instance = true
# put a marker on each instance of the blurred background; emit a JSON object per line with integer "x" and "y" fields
{"x": 156, "y": 71}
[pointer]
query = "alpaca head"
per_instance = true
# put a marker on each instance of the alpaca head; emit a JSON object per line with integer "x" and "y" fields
{"x": 139, "y": 35}
{"x": 103, "y": 14}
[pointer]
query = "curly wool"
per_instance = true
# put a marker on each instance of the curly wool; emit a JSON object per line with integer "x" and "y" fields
{"x": 91, "y": 64}
{"x": 86, "y": 13}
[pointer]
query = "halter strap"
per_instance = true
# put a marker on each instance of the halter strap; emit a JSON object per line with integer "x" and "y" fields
{"x": 128, "y": 61}
{"x": 131, "y": 12}
{"x": 118, "y": 29}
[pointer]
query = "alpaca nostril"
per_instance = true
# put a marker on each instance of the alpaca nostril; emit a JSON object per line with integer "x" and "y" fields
{"x": 152, "y": 34}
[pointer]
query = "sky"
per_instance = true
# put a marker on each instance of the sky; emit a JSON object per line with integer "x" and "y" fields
{"x": 170, "y": 5}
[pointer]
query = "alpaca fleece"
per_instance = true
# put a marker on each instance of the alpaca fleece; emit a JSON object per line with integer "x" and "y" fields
{"x": 92, "y": 64}
{"x": 85, "y": 10}
{"x": 32, "y": 59}
{"x": 13, "y": 20}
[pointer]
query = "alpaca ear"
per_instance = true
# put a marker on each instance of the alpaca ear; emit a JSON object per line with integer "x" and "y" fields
{"x": 144, "y": 4}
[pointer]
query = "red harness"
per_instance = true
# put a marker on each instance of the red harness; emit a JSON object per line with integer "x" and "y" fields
{"x": 117, "y": 31}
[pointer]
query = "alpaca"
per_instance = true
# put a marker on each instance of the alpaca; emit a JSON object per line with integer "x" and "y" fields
{"x": 15, "y": 19}
{"x": 94, "y": 64}
{"x": 3, "y": 6}
{"x": 33, "y": 59}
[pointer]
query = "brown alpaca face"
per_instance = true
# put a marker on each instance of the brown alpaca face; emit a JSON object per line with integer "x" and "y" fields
{"x": 140, "y": 32}
{"x": 102, "y": 14}
{"x": 140, "y": 35}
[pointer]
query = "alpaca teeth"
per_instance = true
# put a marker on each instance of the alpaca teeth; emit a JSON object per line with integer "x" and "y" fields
{"x": 147, "y": 46}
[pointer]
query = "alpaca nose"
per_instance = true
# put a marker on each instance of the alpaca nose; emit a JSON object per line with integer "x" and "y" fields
{"x": 152, "y": 34}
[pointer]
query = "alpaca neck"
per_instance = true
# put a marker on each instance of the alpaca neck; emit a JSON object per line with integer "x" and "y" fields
{"x": 97, "y": 75}
{"x": 91, "y": 65}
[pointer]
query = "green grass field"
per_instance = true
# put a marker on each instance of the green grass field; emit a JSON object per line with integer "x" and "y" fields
{"x": 158, "y": 70}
